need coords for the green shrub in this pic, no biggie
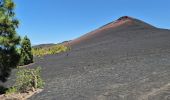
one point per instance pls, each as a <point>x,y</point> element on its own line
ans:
<point>27,80</point>
<point>11,90</point>
<point>49,50</point>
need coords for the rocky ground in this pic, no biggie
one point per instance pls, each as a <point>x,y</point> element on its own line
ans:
<point>126,63</point>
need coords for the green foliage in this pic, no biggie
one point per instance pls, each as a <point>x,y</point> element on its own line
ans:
<point>28,79</point>
<point>50,50</point>
<point>11,90</point>
<point>25,52</point>
<point>9,39</point>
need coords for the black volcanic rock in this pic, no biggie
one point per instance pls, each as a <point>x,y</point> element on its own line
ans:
<point>127,59</point>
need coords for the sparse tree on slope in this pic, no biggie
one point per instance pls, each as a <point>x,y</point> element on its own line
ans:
<point>9,39</point>
<point>26,53</point>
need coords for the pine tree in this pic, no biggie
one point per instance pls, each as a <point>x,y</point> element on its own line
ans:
<point>9,40</point>
<point>26,52</point>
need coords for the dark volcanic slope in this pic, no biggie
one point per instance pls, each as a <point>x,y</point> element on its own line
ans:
<point>110,30</point>
<point>123,60</point>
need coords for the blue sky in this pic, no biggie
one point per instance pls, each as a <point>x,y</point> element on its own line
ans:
<point>53,21</point>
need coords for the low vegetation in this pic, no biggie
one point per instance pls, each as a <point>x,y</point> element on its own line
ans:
<point>27,80</point>
<point>49,50</point>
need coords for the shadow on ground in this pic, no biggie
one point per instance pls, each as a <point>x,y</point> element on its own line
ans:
<point>3,89</point>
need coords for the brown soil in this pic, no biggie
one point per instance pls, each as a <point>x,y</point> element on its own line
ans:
<point>19,96</point>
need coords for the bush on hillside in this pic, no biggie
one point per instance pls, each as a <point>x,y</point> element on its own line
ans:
<point>27,80</point>
<point>49,50</point>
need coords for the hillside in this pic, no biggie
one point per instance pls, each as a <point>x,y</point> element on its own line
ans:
<point>49,44</point>
<point>126,59</point>
<point>43,45</point>
<point>123,23</point>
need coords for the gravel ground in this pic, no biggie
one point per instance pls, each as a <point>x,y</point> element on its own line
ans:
<point>131,62</point>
